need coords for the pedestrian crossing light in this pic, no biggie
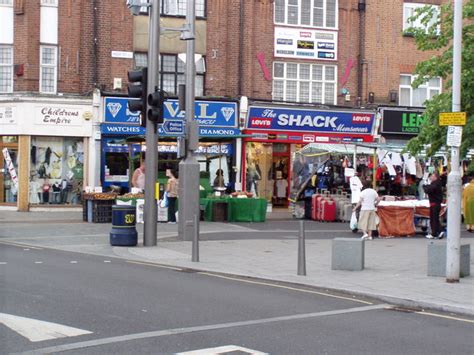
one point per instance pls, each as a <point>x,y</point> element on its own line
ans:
<point>156,102</point>
<point>137,92</point>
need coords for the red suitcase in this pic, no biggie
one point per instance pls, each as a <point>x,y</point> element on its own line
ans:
<point>314,206</point>
<point>317,213</point>
<point>328,210</point>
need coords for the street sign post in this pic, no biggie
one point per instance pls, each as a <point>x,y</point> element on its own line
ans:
<point>452,118</point>
<point>454,136</point>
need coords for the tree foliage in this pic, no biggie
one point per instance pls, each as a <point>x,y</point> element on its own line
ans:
<point>438,36</point>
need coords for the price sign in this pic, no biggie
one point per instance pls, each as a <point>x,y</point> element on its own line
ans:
<point>454,136</point>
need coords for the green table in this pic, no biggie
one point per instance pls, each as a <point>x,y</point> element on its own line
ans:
<point>238,209</point>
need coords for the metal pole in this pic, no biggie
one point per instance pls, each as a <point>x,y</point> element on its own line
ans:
<point>195,257</point>
<point>301,251</point>
<point>151,158</point>
<point>189,167</point>
<point>454,177</point>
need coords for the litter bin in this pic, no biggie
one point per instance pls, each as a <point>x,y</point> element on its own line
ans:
<point>123,231</point>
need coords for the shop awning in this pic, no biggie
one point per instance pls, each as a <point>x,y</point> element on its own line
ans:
<point>335,148</point>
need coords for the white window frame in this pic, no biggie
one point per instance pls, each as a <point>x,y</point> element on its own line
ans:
<point>49,3</point>
<point>55,66</point>
<point>8,3</point>
<point>299,5</point>
<point>178,7</point>
<point>425,85</point>
<point>10,65</point>
<point>310,81</point>
<point>409,9</point>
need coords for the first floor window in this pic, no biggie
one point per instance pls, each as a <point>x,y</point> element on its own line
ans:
<point>6,69</point>
<point>178,7</point>
<point>301,82</point>
<point>409,10</point>
<point>417,97</point>
<point>172,72</point>
<point>48,69</point>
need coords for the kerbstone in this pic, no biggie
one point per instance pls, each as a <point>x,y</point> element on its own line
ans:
<point>348,254</point>
<point>437,259</point>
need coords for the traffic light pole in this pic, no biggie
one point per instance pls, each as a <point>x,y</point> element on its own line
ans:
<point>453,250</point>
<point>151,158</point>
<point>189,166</point>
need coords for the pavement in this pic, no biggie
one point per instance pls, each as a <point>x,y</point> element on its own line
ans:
<point>395,269</point>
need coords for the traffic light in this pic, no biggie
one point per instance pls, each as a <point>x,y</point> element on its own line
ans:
<point>137,88</point>
<point>156,102</point>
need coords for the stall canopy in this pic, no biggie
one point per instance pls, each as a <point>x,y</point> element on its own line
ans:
<point>336,149</point>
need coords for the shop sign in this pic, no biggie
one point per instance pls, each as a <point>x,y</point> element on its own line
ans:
<point>401,121</point>
<point>116,111</point>
<point>203,149</point>
<point>7,115</point>
<point>122,129</point>
<point>298,120</point>
<point>305,44</point>
<point>58,116</point>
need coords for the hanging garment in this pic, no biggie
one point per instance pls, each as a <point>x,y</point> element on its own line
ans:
<point>47,155</point>
<point>33,154</point>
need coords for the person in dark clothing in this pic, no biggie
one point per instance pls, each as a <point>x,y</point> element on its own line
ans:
<point>435,195</point>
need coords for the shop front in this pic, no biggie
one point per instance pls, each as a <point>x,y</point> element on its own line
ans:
<point>275,136</point>
<point>122,141</point>
<point>44,155</point>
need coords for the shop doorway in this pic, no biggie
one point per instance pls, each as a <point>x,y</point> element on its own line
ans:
<point>281,174</point>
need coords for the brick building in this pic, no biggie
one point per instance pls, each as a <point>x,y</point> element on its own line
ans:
<point>67,57</point>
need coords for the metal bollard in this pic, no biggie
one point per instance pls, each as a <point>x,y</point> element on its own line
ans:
<point>301,251</point>
<point>195,257</point>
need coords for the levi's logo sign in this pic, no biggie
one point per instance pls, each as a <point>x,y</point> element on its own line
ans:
<point>361,119</point>
<point>261,122</point>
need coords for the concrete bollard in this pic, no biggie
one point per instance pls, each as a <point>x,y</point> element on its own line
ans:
<point>437,259</point>
<point>348,254</point>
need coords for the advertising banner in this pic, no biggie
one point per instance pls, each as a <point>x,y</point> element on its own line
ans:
<point>406,122</point>
<point>313,121</point>
<point>305,44</point>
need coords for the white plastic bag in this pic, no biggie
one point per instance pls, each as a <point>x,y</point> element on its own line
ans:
<point>353,223</point>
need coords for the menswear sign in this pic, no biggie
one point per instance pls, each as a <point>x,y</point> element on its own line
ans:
<point>287,119</point>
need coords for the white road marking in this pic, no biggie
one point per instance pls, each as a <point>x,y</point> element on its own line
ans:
<point>73,262</point>
<point>26,249</point>
<point>222,350</point>
<point>107,261</point>
<point>3,263</point>
<point>155,265</point>
<point>19,245</point>
<point>176,331</point>
<point>445,317</point>
<point>37,330</point>
<point>38,262</point>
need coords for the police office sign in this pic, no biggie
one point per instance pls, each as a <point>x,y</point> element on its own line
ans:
<point>342,123</point>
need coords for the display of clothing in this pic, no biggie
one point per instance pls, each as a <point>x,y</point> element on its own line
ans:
<point>35,192</point>
<point>281,188</point>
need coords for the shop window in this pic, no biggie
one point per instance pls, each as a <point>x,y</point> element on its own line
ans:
<point>417,97</point>
<point>423,22</point>
<point>306,13</point>
<point>178,7</point>
<point>57,170</point>
<point>8,175</point>
<point>6,69</point>
<point>48,69</point>
<point>312,83</point>
<point>6,2</point>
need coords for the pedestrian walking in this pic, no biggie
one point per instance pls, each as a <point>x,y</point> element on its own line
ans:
<point>369,199</point>
<point>468,204</point>
<point>172,194</point>
<point>435,195</point>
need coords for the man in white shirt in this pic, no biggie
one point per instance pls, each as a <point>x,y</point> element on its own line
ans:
<point>368,201</point>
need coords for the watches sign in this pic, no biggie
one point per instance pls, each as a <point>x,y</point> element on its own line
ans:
<point>401,121</point>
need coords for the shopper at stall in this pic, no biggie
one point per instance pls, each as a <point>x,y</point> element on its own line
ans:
<point>138,177</point>
<point>468,205</point>
<point>219,179</point>
<point>368,201</point>
<point>172,194</point>
<point>435,195</point>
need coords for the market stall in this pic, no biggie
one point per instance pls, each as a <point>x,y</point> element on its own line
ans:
<point>233,209</point>
<point>398,218</point>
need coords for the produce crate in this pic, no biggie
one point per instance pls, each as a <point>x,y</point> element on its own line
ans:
<point>97,210</point>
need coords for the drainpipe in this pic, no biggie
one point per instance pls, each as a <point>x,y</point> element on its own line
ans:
<point>360,72</point>
<point>241,48</point>
<point>96,42</point>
